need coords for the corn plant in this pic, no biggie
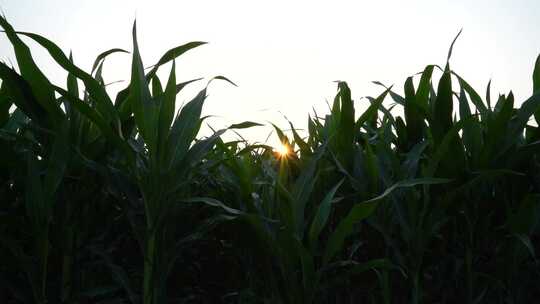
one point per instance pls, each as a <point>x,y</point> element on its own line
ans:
<point>120,200</point>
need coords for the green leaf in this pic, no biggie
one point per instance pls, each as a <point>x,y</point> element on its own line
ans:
<point>96,90</point>
<point>519,121</point>
<point>222,78</point>
<point>173,54</point>
<point>443,151</point>
<point>371,111</point>
<point>363,210</point>
<point>452,46</point>
<point>103,55</point>
<point>304,147</point>
<point>145,110</point>
<point>321,217</point>
<point>536,84</point>
<point>303,188</point>
<point>100,122</point>
<point>407,184</point>
<point>21,94</point>
<point>441,120</point>
<point>536,75</point>
<point>282,137</point>
<point>346,124</point>
<point>472,133</point>
<point>166,112</point>
<point>413,114</point>
<point>497,129</point>
<point>422,92</point>
<point>181,85</point>
<point>5,104</point>
<point>401,134</point>
<point>475,98</point>
<point>410,166</point>
<point>371,168</point>
<point>213,203</point>
<point>244,125</point>
<point>488,95</point>
<point>39,84</point>
<point>185,127</point>
<point>199,150</point>
<point>57,162</point>
<point>72,84</point>
<point>157,89</point>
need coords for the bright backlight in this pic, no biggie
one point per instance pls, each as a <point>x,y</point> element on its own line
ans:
<point>282,150</point>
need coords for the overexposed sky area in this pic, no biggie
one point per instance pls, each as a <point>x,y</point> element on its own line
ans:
<point>285,55</point>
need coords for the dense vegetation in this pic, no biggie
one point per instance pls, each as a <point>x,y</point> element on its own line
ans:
<point>117,200</point>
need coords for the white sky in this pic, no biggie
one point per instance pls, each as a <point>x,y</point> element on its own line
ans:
<point>285,55</point>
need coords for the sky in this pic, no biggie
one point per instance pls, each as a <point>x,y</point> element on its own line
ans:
<point>285,56</point>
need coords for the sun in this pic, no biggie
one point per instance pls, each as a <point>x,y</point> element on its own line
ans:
<point>282,150</point>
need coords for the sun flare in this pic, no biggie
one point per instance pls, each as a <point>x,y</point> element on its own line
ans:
<point>282,150</point>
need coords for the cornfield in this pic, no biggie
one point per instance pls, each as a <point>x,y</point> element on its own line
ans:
<point>117,199</point>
